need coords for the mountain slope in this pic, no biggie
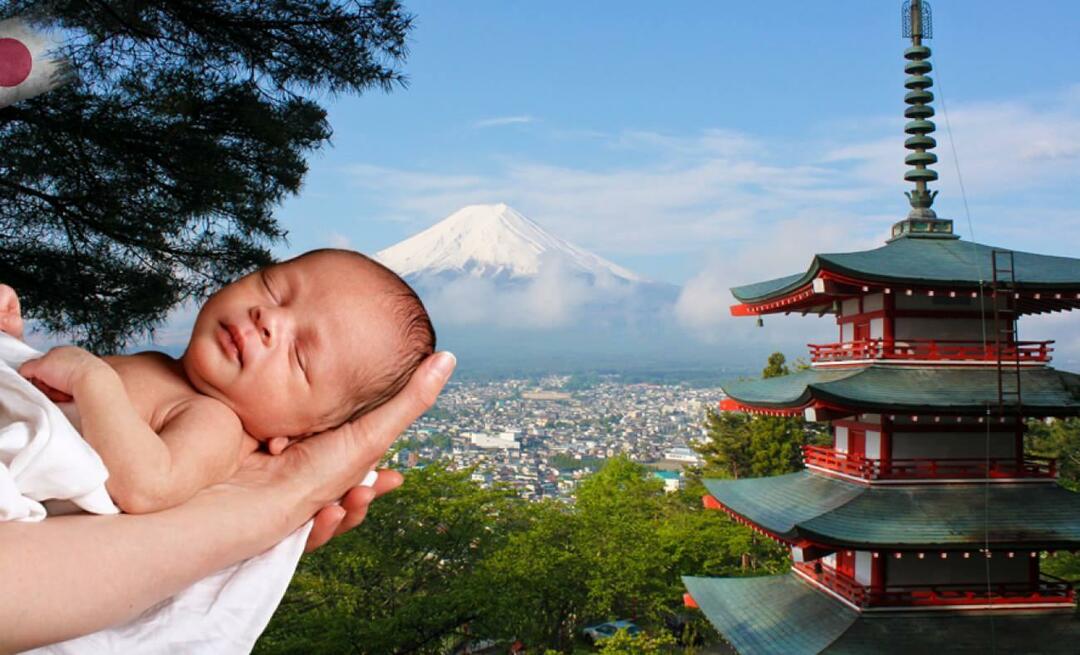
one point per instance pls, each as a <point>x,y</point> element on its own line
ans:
<point>496,242</point>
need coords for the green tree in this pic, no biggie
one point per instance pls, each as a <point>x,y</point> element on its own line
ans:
<point>741,445</point>
<point>776,444</point>
<point>406,581</point>
<point>540,575</point>
<point>1060,439</point>
<point>775,367</point>
<point>727,450</point>
<point>618,510</point>
<point>623,643</point>
<point>152,177</point>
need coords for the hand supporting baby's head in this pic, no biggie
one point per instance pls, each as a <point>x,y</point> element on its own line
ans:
<point>303,346</point>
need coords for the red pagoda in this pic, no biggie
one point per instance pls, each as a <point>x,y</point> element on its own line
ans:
<point>922,527</point>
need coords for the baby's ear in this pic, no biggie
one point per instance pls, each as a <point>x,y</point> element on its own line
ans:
<point>277,444</point>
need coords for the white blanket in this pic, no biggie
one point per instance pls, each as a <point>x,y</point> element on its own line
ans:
<point>43,457</point>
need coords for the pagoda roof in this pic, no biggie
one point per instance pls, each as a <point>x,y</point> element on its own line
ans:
<point>829,511</point>
<point>784,615</point>
<point>922,262</point>
<point>899,389</point>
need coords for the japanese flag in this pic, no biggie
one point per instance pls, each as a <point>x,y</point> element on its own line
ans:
<point>25,69</point>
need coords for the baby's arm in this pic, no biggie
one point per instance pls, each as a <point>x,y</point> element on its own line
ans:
<point>200,444</point>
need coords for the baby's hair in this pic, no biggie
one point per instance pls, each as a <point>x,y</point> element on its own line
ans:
<point>368,389</point>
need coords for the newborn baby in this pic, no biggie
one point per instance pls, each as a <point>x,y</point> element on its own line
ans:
<point>285,352</point>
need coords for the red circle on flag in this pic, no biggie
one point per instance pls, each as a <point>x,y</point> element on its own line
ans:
<point>15,62</point>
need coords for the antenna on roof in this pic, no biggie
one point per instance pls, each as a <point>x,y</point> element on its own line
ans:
<point>917,24</point>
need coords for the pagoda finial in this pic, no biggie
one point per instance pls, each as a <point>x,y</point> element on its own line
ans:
<point>921,220</point>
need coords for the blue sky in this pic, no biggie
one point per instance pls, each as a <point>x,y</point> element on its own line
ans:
<point>706,143</point>
<point>506,94</point>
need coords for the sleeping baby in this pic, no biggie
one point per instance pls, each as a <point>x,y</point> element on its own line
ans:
<point>283,353</point>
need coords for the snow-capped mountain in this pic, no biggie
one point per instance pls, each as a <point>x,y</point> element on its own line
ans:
<point>506,294</point>
<point>494,242</point>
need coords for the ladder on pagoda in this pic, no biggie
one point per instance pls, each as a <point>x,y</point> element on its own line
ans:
<point>1003,292</point>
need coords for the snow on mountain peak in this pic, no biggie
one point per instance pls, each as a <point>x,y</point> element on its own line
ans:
<point>491,240</point>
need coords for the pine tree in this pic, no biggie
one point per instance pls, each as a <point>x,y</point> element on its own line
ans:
<point>152,177</point>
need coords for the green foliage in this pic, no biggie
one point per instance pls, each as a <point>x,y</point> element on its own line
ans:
<point>541,580</point>
<point>740,445</point>
<point>1060,439</point>
<point>442,561</point>
<point>776,445</point>
<point>618,510</point>
<point>727,450</point>
<point>775,367</point>
<point>151,178</point>
<point>407,580</point>
<point>622,643</point>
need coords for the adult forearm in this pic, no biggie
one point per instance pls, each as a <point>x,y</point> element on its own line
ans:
<point>72,575</point>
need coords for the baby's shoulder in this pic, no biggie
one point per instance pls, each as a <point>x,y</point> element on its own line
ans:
<point>207,411</point>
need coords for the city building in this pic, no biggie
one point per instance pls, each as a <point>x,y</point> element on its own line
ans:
<point>502,440</point>
<point>923,526</point>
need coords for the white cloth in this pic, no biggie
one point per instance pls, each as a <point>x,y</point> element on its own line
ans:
<point>221,614</point>
<point>43,457</point>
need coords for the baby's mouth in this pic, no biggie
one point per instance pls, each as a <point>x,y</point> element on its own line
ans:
<point>231,341</point>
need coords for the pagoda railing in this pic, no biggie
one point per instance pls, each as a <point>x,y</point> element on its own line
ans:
<point>1048,589</point>
<point>929,467</point>
<point>930,350</point>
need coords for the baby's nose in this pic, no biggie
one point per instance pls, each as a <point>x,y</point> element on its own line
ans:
<point>264,324</point>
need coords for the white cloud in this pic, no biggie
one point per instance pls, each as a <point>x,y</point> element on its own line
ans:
<point>758,209</point>
<point>1002,147</point>
<point>552,299</point>
<point>503,120</point>
<point>783,248</point>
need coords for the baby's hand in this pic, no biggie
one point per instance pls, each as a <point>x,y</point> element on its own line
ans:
<point>61,370</point>
<point>10,314</point>
<point>278,444</point>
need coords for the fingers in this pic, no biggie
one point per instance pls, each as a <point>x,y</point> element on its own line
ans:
<point>10,313</point>
<point>377,430</point>
<point>356,501</point>
<point>325,523</point>
<point>277,444</point>
<point>333,520</point>
<point>387,481</point>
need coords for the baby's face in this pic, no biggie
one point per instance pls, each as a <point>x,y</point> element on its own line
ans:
<point>280,345</point>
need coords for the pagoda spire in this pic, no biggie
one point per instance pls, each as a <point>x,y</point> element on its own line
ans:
<point>921,220</point>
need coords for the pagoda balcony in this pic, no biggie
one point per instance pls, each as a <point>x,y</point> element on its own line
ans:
<point>929,350</point>
<point>930,468</point>
<point>1049,590</point>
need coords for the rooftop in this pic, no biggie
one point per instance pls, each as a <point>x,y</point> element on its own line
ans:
<point>784,615</point>
<point>925,263</point>
<point>829,511</point>
<point>907,389</point>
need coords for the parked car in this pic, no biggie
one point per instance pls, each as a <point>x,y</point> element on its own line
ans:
<point>603,631</point>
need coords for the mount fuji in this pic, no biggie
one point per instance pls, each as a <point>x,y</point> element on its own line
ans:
<point>497,250</point>
<point>500,286</point>
<point>492,241</point>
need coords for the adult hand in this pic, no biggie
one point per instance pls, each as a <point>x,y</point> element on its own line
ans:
<point>11,321</point>
<point>325,469</point>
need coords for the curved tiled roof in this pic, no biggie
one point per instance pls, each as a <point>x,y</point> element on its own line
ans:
<point>826,510</point>
<point>891,388</point>
<point>782,615</point>
<point>916,261</point>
